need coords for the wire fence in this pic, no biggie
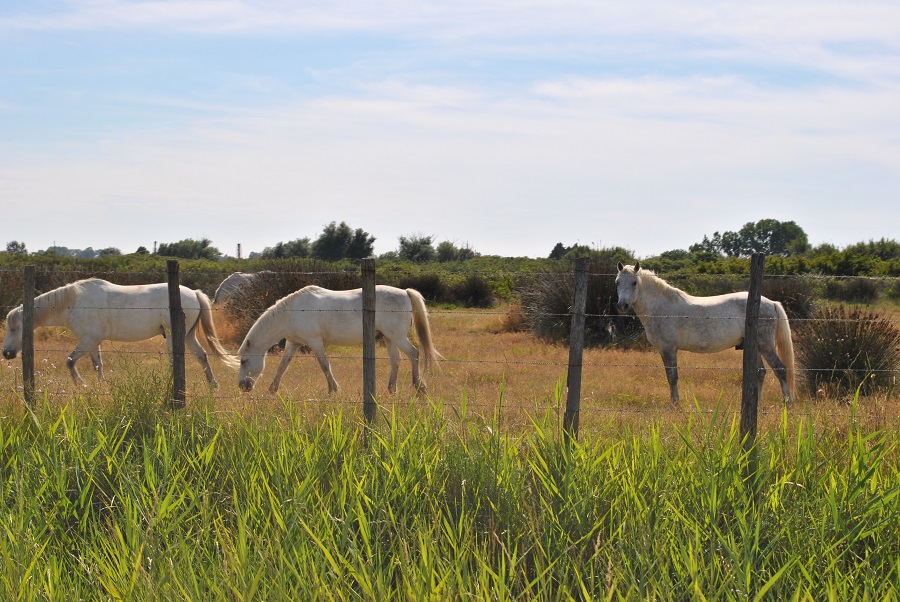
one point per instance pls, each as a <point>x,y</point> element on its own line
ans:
<point>50,369</point>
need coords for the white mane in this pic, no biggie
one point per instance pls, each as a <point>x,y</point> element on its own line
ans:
<point>650,279</point>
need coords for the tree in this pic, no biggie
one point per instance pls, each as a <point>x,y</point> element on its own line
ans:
<point>768,236</point>
<point>142,250</point>
<point>417,247</point>
<point>333,243</point>
<point>15,247</point>
<point>189,249</point>
<point>447,251</point>
<point>295,248</point>
<point>559,251</point>
<point>109,252</point>
<point>362,245</point>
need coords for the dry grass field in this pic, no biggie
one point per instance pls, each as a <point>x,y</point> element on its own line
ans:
<point>484,370</point>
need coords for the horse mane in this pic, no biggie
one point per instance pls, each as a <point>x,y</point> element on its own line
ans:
<point>62,297</point>
<point>649,278</point>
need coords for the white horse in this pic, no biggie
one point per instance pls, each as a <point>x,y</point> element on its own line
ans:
<point>96,310</point>
<point>674,320</point>
<point>315,316</point>
<point>230,285</point>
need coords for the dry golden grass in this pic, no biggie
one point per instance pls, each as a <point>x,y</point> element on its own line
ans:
<point>482,366</point>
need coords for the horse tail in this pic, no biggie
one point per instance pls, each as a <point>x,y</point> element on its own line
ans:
<point>784,346</point>
<point>429,355</point>
<point>209,331</point>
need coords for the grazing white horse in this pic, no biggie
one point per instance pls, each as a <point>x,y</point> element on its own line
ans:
<point>315,317</point>
<point>96,310</point>
<point>675,320</point>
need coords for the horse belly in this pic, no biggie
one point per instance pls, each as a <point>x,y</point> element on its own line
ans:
<point>710,335</point>
<point>136,324</point>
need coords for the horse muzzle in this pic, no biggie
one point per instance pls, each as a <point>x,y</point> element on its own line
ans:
<point>9,354</point>
<point>623,307</point>
<point>246,384</point>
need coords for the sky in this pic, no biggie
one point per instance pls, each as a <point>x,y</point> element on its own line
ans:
<point>505,126</point>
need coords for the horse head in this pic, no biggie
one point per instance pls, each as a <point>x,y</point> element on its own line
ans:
<point>252,365</point>
<point>12,342</point>
<point>626,285</point>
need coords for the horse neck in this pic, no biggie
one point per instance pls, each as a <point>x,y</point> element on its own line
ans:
<point>657,297</point>
<point>52,308</point>
<point>268,328</point>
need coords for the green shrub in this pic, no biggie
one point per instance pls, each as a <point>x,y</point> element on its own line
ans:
<point>843,349</point>
<point>431,285</point>
<point>852,290</point>
<point>474,291</point>
<point>797,295</point>
<point>547,301</point>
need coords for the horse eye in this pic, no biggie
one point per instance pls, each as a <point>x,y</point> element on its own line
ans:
<point>634,284</point>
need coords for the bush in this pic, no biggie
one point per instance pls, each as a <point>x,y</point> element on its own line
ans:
<point>797,295</point>
<point>547,302</point>
<point>852,290</point>
<point>474,291</point>
<point>431,285</point>
<point>843,350</point>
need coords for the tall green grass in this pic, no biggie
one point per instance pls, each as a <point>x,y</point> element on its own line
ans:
<point>122,500</point>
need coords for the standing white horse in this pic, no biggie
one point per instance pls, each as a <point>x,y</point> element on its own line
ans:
<point>315,316</point>
<point>96,310</point>
<point>674,320</point>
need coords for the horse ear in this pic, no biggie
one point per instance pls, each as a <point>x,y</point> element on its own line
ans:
<point>637,266</point>
<point>621,266</point>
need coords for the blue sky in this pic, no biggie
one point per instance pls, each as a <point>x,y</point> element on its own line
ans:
<point>506,126</point>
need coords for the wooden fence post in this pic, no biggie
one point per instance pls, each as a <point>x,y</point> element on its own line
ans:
<point>576,349</point>
<point>28,336</point>
<point>176,319</point>
<point>750,387</point>
<point>368,325</point>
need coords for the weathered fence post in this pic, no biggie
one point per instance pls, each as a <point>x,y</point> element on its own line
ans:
<point>28,336</point>
<point>576,349</point>
<point>750,387</point>
<point>368,324</point>
<point>176,318</point>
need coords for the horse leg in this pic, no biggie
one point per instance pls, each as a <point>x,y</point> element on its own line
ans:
<point>670,361</point>
<point>200,353</point>
<point>394,354</point>
<point>97,361</point>
<point>80,349</point>
<point>318,348</point>
<point>290,348</point>
<point>761,376</point>
<point>413,354</point>
<point>780,371</point>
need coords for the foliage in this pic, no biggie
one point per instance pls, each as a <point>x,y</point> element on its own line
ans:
<point>845,349</point>
<point>474,291</point>
<point>768,236</point>
<point>16,248</point>
<point>129,502</point>
<point>447,251</point>
<point>339,241</point>
<point>852,290</point>
<point>296,248</point>
<point>547,303</point>
<point>417,248</point>
<point>189,249</point>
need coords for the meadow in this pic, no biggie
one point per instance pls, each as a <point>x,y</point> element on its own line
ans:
<point>466,492</point>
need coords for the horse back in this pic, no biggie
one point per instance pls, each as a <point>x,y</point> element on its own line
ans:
<point>117,312</point>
